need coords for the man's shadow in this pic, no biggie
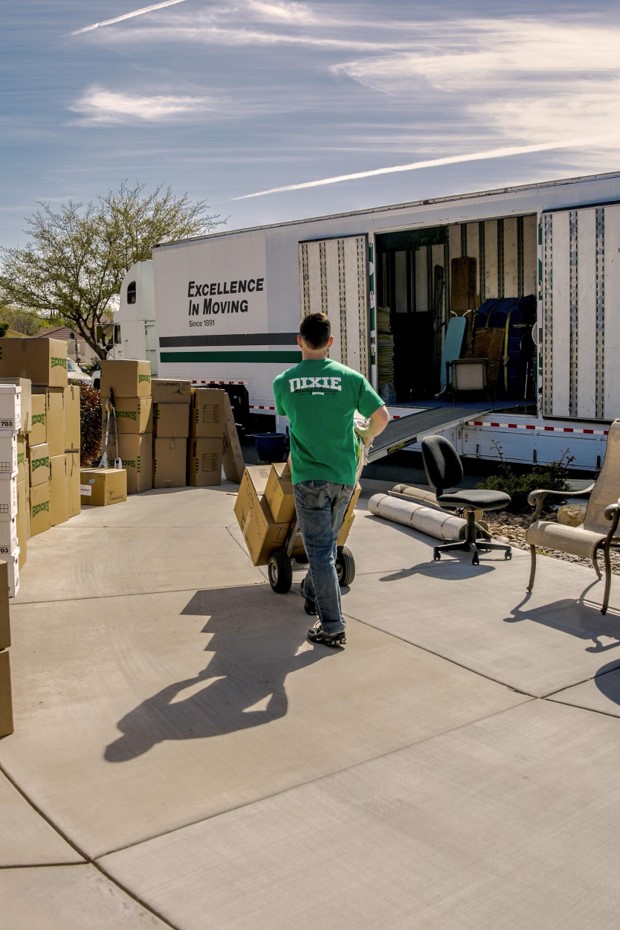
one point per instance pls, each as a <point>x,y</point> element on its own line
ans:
<point>254,645</point>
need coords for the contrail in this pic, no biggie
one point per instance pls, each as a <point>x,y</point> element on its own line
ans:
<point>416,166</point>
<point>119,19</point>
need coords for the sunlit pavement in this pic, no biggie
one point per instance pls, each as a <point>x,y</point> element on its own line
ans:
<point>183,757</point>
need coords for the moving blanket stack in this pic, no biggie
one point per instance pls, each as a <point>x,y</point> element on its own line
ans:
<point>503,335</point>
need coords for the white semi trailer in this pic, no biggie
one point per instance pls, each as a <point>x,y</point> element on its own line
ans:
<point>225,308</point>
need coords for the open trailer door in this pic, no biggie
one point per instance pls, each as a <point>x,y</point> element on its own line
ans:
<point>334,278</point>
<point>580,321</point>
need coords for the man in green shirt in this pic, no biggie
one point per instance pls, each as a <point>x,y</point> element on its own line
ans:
<point>320,398</point>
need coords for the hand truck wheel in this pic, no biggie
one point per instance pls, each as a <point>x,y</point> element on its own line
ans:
<point>345,566</point>
<point>280,571</point>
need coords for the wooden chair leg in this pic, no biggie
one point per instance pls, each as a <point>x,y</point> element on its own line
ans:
<point>530,583</point>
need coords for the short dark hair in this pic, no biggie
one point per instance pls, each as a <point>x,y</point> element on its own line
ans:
<point>315,330</point>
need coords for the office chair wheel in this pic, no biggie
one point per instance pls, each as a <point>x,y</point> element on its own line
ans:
<point>475,560</point>
<point>436,555</point>
<point>508,555</point>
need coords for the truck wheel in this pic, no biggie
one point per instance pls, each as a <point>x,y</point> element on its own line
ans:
<point>345,566</point>
<point>280,572</point>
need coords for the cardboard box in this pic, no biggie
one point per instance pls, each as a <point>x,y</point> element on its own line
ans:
<point>22,457</point>
<point>73,431</point>
<point>5,615</point>
<point>40,519</point>
<point>72,469</point>
<point>169,391</point>
<point>207,413</point>
<point>10,406</point>
<point>251,493</point>
<point>279,493</point>
<point>39,464</point>
<point>204,462</point>
<point>38,423</point>
<point>6,697</point>
<point>169,462</point>
<point>59,499</point>
<point>11,559</point>
<point>42,360</point>
<point>233,456</point>
<point>260,533</point>
<point>8,534</point>
<point>8,498</point>
<point>133,415</point>
<point>26,404</point>
<point>54,417</point>
<point>23,520</point>
<point>8,454</point>
<point>171,421</point>
<point>100,487</point>
<point>136,452</point>
<point>126,378</point>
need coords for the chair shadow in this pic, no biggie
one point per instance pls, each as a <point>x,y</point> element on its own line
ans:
<point>254,647</point>
<point>443,569</point>
<point>574,617</point>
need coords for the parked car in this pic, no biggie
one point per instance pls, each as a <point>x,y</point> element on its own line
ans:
<point>75,373</point>
<point>96,379</point>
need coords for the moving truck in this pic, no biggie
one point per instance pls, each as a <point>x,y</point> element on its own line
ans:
<point>538,264</point>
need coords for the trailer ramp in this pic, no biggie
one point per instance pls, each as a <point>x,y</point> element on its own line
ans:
<point>413,427</point>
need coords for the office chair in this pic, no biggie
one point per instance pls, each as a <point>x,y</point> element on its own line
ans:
<point>444,473</point>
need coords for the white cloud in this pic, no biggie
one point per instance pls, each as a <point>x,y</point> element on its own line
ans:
<point>98,105</point>
<point>489,56</point>
<point>290,13</point>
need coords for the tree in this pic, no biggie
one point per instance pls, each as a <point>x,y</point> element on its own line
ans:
<point>73,267</point>
<point>21,321</point>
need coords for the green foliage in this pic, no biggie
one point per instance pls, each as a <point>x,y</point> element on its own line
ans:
<point>90,426</point>
<point>3,329</point>
<point>552,477</point>
<point>74,265</point>
<point>21,321</point>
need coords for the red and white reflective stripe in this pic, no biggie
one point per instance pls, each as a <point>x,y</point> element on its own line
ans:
<point>261,407</point>
<point>202,381</point>
<point>580,431</point>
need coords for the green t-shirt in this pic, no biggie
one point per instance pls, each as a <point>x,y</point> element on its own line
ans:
<point>319,397</point>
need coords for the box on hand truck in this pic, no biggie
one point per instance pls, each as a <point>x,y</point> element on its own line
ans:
<point>265,511</point>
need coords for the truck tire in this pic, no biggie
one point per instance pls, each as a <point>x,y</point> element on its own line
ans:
<point>280,572</point>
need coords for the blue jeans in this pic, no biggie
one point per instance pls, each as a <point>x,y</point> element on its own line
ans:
<point>321,507</point>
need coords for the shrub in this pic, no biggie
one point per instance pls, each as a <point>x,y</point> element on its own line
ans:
<point>90,425</point>
<point>552,477</point>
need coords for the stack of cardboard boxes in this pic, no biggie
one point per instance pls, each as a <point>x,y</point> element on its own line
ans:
<point>130,384</point>
<point>6,702</point>
<point>47,442</point>
<point>265,512</point>
<point>170,433</point>
<point>171,406</point>
<point>10,424</point>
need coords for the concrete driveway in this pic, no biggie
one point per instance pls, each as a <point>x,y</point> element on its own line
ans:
<point>184,758</point>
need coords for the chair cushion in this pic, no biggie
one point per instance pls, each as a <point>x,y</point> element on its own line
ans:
<point>573,539</point>
<point>476,499</point>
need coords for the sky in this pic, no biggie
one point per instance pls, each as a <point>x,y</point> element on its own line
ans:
<point>275,111</point>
